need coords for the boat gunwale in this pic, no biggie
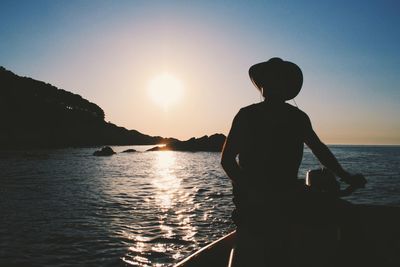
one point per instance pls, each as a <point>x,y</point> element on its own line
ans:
<point>200,251</point>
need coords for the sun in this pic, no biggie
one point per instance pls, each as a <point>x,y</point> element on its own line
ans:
<point>165,90</point>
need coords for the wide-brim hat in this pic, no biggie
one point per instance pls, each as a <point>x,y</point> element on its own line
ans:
<point>277,78</point>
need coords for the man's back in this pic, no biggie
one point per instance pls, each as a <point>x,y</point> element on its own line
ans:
<point>271,144</point>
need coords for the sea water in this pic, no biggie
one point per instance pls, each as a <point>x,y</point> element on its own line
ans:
<point>66,207</point>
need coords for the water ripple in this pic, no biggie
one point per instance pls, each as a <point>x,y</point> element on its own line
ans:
<point>67,208</point>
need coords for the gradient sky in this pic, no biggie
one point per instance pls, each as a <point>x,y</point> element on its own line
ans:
<point>108,52</point>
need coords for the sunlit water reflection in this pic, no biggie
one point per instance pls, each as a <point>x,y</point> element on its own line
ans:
<point>69,208</point>
<point>166,184</point>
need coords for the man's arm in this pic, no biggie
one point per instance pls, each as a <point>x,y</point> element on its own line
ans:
<point>228,161</point>
<point>325,156</point>
<point>231,150</point>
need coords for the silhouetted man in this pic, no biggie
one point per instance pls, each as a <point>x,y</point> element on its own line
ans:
<point>269,138</point>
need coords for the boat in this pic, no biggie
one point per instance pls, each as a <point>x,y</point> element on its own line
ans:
<point>380,225</point>
<point>217,253</point>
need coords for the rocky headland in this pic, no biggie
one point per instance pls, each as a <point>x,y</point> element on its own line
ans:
<point>213,143</point>
<point>35,114</point>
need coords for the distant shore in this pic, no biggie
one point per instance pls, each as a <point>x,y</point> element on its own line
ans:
<point>40,115</point>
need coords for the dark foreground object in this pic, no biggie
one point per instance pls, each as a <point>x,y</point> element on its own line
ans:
<point>378,246</point>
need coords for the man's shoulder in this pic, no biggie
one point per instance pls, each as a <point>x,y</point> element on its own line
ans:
<point>300,115</point>
<point>250,108</point>
<point>296,110</point>
<point>260,106</point>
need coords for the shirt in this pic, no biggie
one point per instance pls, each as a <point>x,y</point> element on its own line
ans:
<point>270,139</point>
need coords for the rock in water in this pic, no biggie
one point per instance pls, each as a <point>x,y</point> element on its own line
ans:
<point>129,150</point>
<point>105,151</point>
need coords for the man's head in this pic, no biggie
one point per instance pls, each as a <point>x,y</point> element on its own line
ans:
<point>277,79</point>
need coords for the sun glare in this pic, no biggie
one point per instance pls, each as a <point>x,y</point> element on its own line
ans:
<point>165,90</point>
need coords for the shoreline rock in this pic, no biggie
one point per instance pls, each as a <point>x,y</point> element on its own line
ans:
<point>213,143</point>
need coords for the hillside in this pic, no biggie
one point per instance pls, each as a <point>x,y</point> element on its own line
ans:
<point>37,114</point>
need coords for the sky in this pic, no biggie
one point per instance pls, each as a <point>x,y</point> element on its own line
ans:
<point>112,52</point>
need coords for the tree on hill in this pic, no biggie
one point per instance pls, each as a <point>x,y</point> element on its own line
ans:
<point>37,114</point>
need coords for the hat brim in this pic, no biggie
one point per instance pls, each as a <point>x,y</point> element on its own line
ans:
<point>276,77</point>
